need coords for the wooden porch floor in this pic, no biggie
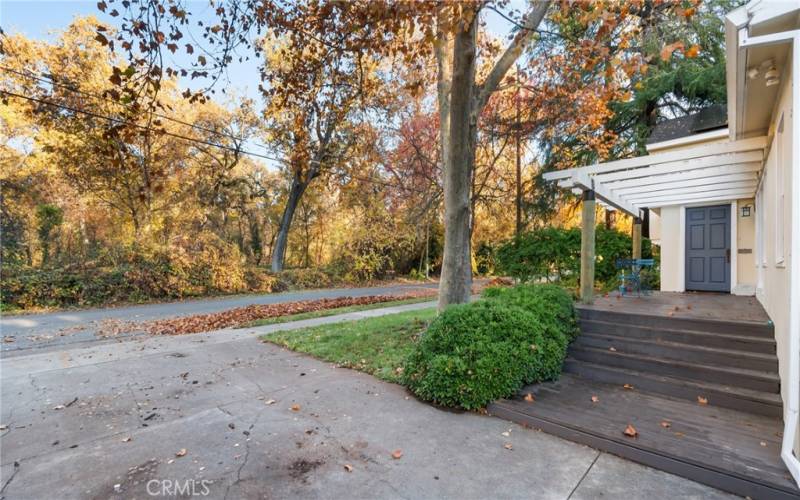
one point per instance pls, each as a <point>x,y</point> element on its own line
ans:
<point>731,450</point>
<point>689,305</point>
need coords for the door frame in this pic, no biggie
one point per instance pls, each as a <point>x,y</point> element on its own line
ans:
<point>734,222</point>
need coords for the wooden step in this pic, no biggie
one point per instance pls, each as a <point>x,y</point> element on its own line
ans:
<point>682,352</point>
<point>762,345</point>
<point>740,327</point>
<point>737,377</point>
<point>727,449</point>
<point>725,396</point>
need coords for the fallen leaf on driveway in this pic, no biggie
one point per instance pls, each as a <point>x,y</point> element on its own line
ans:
<point>3,427</point>
<point>612,349</point>
<point>181,453</point>
<point>348,467</point>
<point>508,446</point>
<point>595,399</point>
<point>126,439</point>
<point>270,402</point>
<point>665,424</point>
<point>763,443</point>
<point>396,454</point>
<point>59,407</point>
<point>295,407</point>
<point>701,400</point>
<point>630,431</point>
<point>627,386</point>
<point>505,433</point>
<point>529,398</point>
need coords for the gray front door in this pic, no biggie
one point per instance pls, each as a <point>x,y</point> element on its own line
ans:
<point>708,248</point>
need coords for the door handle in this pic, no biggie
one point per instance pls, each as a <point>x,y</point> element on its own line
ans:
<point>728,255</point>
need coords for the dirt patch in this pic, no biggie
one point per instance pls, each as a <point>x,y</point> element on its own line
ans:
<point>299,469</point>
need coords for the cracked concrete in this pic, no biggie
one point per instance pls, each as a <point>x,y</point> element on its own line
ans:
<point>228,399</point>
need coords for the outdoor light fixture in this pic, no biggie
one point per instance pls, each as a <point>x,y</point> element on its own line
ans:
<point>746,211</point>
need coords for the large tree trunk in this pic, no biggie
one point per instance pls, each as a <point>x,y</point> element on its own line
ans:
<point>282,238</point>
<point>456,282</point>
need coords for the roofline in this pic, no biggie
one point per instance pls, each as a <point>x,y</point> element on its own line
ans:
<point>689,139</point>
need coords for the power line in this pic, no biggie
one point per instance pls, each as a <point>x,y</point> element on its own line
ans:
<point>183,137</point>
<point>52,81</point>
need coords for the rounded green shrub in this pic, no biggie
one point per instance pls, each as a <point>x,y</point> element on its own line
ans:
<point>551,304</point>
<point>475,353</point>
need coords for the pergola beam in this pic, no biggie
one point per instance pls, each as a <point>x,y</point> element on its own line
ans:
<point>706,151</point>
<point>729,194</point>
<point>749,185</point>
<point>678,181</point>
<point>586,183</point>
<point>734,159</point>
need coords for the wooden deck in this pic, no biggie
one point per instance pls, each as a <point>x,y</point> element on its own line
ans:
<point>706,391</point>
<point>688,305</point>
<point>728,449</point>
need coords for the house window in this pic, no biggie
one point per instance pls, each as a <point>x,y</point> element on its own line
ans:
<point>780,196</point>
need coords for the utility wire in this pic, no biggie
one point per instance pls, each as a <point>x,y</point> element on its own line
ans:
<point>52,81</point>
<point>185,138</point>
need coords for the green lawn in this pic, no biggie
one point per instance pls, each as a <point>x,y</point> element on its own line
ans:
<point>333,312</point>
<point>378,346</point>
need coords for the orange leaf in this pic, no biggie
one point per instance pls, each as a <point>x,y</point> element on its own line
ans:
<point>529,398</point>
<point>397,454</point>
<point>665,424</point>
<point>630,431</point>
<point>348,467</point>
<point>295,407</point>
<point>595,399</point>
<point>692,51</point>
<point>508,446</point>
<point>701,400</point>
<point>627,386</point>
<point>666,52</point>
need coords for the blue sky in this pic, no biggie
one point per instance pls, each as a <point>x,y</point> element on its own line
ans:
<point>42,19</point>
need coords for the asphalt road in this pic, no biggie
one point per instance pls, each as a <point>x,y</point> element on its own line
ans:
<point>49,330</point>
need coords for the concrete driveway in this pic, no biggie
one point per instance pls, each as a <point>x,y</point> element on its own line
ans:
<point>80,326</point>
<point>223,415</point>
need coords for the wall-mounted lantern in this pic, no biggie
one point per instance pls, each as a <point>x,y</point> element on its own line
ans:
<point>746,210</point>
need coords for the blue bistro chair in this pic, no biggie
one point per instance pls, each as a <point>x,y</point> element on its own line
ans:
<point>631,276</point>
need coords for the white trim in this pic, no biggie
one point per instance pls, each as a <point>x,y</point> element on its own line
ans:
<point>682,250</point>
<point>791,413</point>
<point>734,246</point>
<point>689,139</point>
<point>683,155</point>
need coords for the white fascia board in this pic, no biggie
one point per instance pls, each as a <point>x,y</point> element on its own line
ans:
<point>688,203</point>
<point>705,150</point>
<point>689,139</point>
<point>724,170</point>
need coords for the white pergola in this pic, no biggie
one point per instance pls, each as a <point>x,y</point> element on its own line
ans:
<point>709,173</point>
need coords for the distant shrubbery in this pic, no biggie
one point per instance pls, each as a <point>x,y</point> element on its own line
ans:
<point>475,353</point>
<point>201,266</point>
<point>553,254</point>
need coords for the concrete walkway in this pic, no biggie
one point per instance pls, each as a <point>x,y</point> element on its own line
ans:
<point>225,415</point>
<point>80,326</point>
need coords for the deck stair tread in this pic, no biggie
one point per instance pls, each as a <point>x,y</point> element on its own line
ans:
<point>657,332</point>
<point>754,374</point>
<point>762,329</point>
<point>726,448</point>
<point>681,350</point>
<point>697,388</point>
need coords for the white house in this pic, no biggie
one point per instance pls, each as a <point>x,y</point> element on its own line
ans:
<point>725,200</point>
